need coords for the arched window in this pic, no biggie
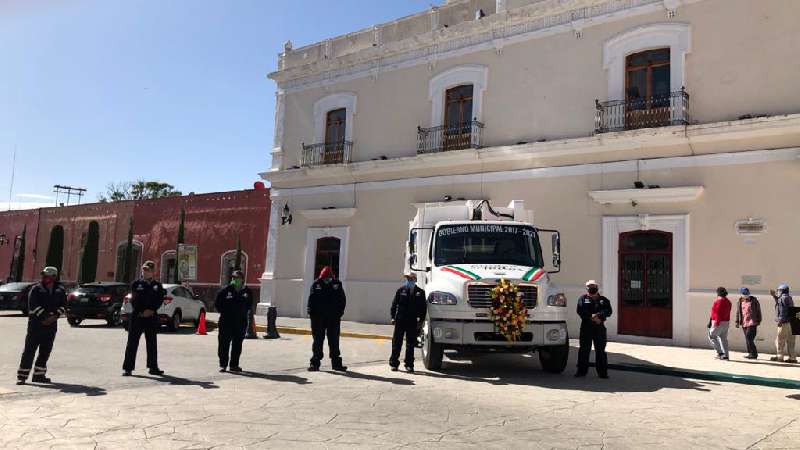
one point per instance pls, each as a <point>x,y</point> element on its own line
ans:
<point>87,269</point>
<point>128,267</point>
<point>228,265</point>
<point>55,248</point>
<point>169,264</point>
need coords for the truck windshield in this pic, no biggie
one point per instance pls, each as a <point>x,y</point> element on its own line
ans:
<point>481,243</point>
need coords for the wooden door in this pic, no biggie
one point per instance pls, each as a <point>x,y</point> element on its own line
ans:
<point>327,254</point>
<point>335,126</point>
<point>458,118</point>
<point>647,89</point>
<point>645,284</point>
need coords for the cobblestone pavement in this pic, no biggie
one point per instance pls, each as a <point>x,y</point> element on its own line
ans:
<point>487,401</point>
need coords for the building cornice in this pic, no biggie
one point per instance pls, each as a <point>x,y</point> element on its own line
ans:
<point>647,196</point>
<point>493,32</point>
<point>597,148</point>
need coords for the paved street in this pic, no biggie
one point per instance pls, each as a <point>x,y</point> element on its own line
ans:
<point>500,401</point>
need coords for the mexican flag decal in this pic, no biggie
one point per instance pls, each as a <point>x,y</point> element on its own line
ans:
<point>534,274</point>
<point>463,273</point>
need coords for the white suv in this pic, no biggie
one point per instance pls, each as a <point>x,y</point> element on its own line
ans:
<point>180,305</point>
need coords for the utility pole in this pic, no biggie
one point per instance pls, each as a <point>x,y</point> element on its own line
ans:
<point>70,191</point>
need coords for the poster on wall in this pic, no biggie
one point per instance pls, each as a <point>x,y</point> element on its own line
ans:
<point>187,262</point>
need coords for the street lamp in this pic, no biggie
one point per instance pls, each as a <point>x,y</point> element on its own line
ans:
<point>286,215</point>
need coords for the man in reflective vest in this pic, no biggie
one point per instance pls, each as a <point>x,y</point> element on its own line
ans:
<point>47,301</point>
<point>147,295</point>
<point>326,305</point>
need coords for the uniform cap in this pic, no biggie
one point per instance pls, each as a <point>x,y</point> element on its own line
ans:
<point>783,287</point>
<point>50,271</point>
<point>591,283</point>
<point>327,272</point>
<point>744,291</point>
<point>237,274</point>
<point>411,276</point>
<point>149,265</point>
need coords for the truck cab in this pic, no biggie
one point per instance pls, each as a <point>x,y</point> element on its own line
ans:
<point>460,250</point>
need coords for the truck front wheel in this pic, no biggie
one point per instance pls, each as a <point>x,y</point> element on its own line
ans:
<point>432,353</point>
<point>554,359</point>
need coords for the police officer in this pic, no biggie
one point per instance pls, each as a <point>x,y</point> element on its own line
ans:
<point>147,295</point>
<point>408,311</point>
<point>593,310</point>
<point>47,301</point>
<point>325,308</point>
<point>233,304</point>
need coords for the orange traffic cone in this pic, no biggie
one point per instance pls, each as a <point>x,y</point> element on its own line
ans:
<point>201,323</point>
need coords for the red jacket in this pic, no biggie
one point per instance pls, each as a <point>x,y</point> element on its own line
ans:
<point>721,311</point>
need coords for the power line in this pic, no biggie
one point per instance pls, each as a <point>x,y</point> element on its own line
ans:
<point>70,191</point>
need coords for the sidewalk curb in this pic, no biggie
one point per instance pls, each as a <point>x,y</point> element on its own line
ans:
<point>307,332</point>
<point>781,383</point>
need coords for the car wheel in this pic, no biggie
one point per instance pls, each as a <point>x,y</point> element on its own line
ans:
<point>74,321</point>
<point>24,311</point>
<point>432,353</point>
<point>175,323</point>
<point>114,319</point>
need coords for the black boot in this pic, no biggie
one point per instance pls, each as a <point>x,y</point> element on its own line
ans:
<point>156,372</point>
<point>40,379</point>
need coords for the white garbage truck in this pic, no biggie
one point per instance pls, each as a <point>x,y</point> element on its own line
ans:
<point>460,250</point>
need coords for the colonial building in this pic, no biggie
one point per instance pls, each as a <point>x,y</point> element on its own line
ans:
<point>659,136</point>
<point>213,223</point>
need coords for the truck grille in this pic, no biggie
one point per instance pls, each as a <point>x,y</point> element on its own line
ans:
<point>480,295</point>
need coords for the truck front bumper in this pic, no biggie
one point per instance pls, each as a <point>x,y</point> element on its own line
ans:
<point>481,333</point>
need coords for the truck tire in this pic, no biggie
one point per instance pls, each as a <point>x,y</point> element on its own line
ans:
<point>554,359</point>
<point>432,353</point>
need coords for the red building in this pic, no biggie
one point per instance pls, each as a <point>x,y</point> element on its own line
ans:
<point>213,224</point>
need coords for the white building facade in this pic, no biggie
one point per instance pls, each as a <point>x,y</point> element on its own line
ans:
<point>661,137</point>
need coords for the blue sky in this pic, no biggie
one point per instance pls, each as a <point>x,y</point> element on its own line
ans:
<point>97,91</point>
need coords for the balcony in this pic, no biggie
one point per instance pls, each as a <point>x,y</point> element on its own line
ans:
<point>449,137</point>
<point>649,112</point>
<point>325,154</point>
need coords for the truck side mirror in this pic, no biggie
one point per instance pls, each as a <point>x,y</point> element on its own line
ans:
<point>412,259</point>
<point>556,243</point>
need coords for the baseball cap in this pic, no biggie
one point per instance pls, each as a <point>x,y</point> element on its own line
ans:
<point>50,271</point>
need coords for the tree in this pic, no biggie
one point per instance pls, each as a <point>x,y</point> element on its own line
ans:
<point>88,268</point>
<point>181,232</point>
<point>139,190</point>
<point>127,262</point>
<point>237,262</point>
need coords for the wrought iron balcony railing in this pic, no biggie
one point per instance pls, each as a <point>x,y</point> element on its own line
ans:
<point>328,153</point>
<point>649,112</point>
<point>449,137</point>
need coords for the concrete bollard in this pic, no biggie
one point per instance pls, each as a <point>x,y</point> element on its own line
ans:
<point>272,329</point>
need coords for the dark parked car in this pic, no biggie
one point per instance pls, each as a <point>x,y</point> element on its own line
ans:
<point>96,301</point>
<point>14,296</point>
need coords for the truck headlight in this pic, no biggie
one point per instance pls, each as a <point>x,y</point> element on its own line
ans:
<point>557,300</point>
<point>442,298</point>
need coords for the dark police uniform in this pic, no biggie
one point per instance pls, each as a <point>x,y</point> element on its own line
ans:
<point>408,310</point>
<point>233,307</point>
<point>326,306</point>
<point>593,333</point>
<point>43,303</point>
<point>145,294</point>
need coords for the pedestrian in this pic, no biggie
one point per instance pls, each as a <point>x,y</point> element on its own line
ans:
<point>719,323</point>
<point>784,342</point>
<point>233,305</point>
<point>326,305</point>
<point>147,295</point>
<point>748,316</point>
<point>593,309</point>
<point>47,301</point>
<point>408,310</point>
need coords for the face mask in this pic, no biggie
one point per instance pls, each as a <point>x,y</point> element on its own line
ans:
<point>593,290</point>
<point>409,284</point>
<point>236,282</point>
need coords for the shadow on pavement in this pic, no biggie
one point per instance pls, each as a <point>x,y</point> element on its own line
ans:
<point>794,396</point>
<point>272,377</point>
<point>763,362</point>
<point>177,381</point>
<point>516,369</point>
<point>363,376</point>
<point>10,315</point>
<point>90,391</point>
